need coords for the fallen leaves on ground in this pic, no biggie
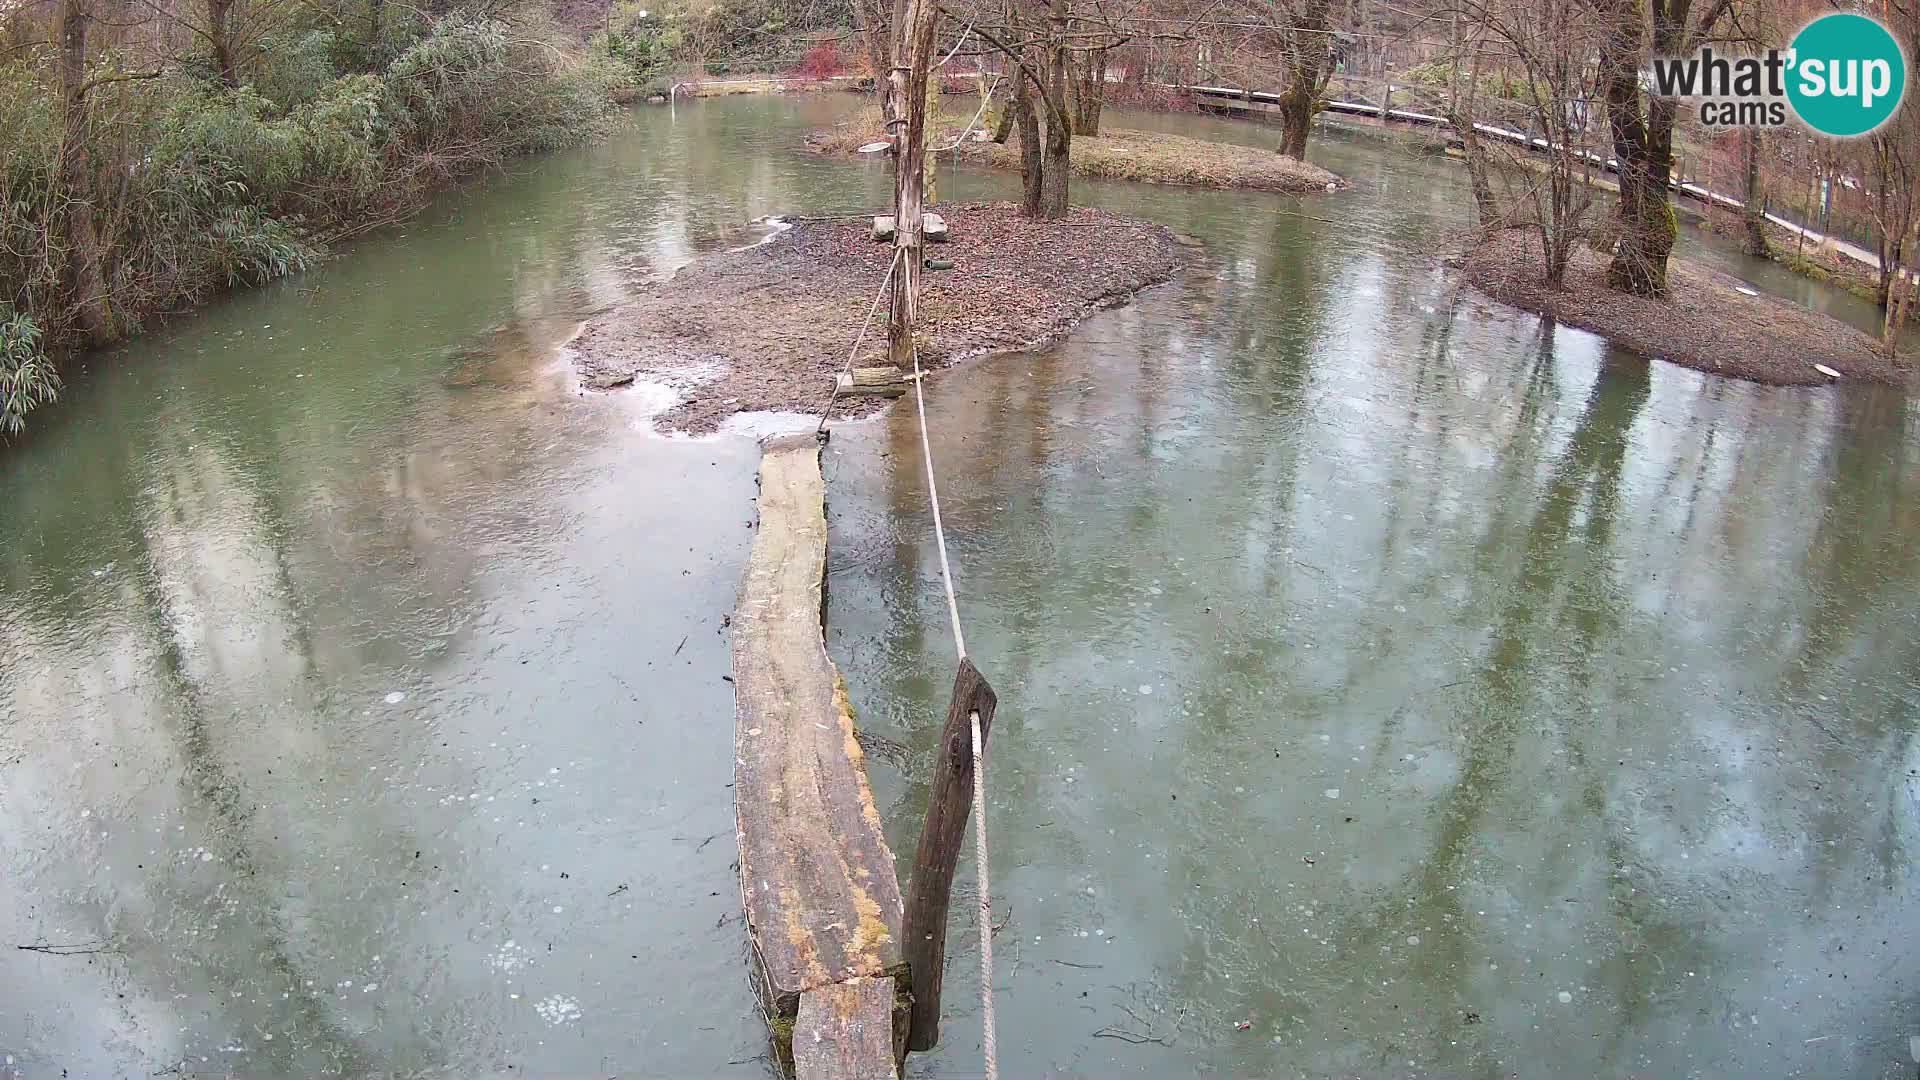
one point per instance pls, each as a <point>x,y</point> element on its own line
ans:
<point>1705,322</point>
<point>769,327</point>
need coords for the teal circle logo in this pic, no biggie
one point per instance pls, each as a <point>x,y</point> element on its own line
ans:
<point>1847,75</point>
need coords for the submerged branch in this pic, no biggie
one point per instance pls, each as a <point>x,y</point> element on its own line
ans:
<point>90,948</point>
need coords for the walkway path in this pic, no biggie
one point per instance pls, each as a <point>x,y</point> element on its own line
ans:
<point>1232,96</point>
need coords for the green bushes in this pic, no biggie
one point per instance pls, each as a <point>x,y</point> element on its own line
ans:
<point>31,260</point>
<point>189,186</point>
<point>27,378</point>
<point>650,39</point>
<point>641,41</point>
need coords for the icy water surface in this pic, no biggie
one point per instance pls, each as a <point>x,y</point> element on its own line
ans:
<point>1393,685</point>
<point>1428,691</point>
<point>361,700</point>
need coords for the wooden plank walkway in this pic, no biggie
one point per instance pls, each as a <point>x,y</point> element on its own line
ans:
<point>847,1030</point>
<point>817,880</point>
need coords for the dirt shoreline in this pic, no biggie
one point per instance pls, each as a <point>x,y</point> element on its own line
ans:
<point>1706,322</point>
<point>767,328</point>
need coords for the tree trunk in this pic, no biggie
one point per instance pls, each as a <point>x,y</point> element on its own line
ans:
<point>1053,175</point>
<point>929,159</point>
<point>1090,93</point>
<point>1296,122</point>
<point>890,50</point>
<point>1309,64</point>
<point>907,95</point>
<point>1753,210</point>
<point>1647,228</point>
<point>1901,291</point>
<point>1800,243</point>
<point>86,280</point>
<point>1059,136</point>
<point>1486,206</point>
<point>1889,231</point>
<point>1643,146</point>
<point>1004,119</point>
<point>1031,164</point>
<point>1463,92</point>
<point>1896,316</point>
<point>220,37</point>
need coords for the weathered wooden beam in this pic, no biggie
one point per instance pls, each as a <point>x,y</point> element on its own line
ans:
<point>845,1031</point>
<point>885,381</point>
<point>934,861</point>
<point>817,880</point>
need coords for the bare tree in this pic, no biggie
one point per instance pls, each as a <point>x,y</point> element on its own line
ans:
<point>1463,94</point>
<point>876,34</point>
<point>1285,43</point>
<point>1543,46</point>
<point>1897,148</point>
<point>1306,49</point>
<point>235,32</point>
<point>1039,39</point>
<point>1641,125</point>
<point>1088,89</point>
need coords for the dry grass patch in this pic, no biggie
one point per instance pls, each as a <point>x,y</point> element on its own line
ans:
<point>1116,154</point>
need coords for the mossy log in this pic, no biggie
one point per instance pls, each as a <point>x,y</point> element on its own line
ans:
<point>817,880</point>
<point>848,1031</point>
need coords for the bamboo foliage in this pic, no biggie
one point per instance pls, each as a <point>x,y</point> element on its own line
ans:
<point>150,165</point>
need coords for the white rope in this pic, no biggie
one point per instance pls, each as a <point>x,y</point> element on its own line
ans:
<point>939,531</point>
<point>985,100</point>
<point>857,338</point>
<point>989,1042</point>
<point>964,35</point>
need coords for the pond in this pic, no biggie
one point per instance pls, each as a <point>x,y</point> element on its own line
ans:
<point>1391,683</point>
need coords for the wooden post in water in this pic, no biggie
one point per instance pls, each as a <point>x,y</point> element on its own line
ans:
<point>907,97</point>
<point>934,861</point>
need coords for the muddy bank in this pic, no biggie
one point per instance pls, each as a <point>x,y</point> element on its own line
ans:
<point>1151,157</point>
<point>767,328</point>
<point>1705,322</point>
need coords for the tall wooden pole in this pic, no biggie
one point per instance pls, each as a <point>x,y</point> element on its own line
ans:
<point>938,855</point>
<point>907,116</point>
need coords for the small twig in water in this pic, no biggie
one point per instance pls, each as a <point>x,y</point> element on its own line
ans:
<point>1137,1038</point>
<point>682,645</point>
<point>1071,964</point>
<point>1126,1036</point>
<point>89,949</point>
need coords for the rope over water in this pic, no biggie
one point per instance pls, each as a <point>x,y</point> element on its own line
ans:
<point>989,1043</point>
